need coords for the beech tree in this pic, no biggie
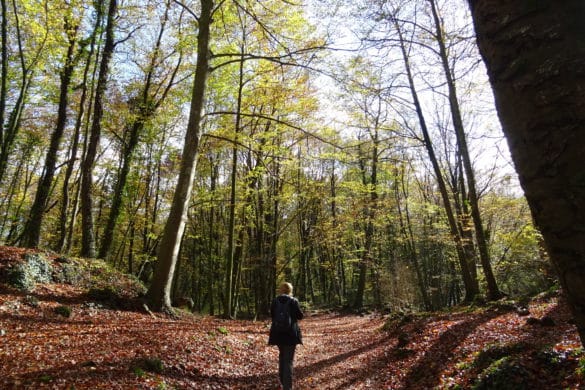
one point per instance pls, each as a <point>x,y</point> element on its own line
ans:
<point>88,234</point>
<point>535,55</point>
<point>159,292</point>
<point>32,229</point>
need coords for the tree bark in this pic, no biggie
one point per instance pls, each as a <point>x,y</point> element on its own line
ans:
<point>471,287</point>
<point>145,107</point>
<point>160,289</point>
<point>229,280</point>
<point>88,233</point>
<point>32,231</point>
<point>4,68</point>
<point>493,291</point>
<point>535,57</point>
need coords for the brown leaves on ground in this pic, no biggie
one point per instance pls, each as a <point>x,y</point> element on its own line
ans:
<point>97,347</point>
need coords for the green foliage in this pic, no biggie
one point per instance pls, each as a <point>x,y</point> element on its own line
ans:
<point>105,282</point>
<point>63,310</point>
<point>32,301</point>
<point>161,386</point>
<point>581,367</point>
<point>45,378</point>
<point>139,372</point>
<point>223,330</point>
<point>150,364</point>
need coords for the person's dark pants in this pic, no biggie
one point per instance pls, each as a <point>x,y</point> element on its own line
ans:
<point>285,365</point>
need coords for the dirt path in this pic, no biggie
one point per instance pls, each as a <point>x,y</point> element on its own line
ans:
<point>98,347</point>
<point>342,352</point>
<point>104,348</point>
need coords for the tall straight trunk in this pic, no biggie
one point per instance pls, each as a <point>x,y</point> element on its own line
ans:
<point>88,233</point>
<point>370,212</point>
<point>3,67</point>
<point>229,281</point>
<point>212,242</point>
<point>10,130</point>
<point>493,291</point>
<point>471,288</point>
<point>160,289</point>
<point>145,108</point>
<point>339,276</point>
<point>32,230</point>
<point>65,233</point>
<point>461,204</point>
<point>535,55</point>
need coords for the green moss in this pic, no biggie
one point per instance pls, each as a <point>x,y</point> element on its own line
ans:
<point>153,364</point>
<point>35,269</point>
<point>496,352</point>
<point>580,371</point>
<point>502,374</point>
<point>64,311</point>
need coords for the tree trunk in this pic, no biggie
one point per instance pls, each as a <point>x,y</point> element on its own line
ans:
<point>229,280</point>
<point>404,220</point>
<point>493,291</point>
<point>88,233</point>
<point>370,213</point>
<point>159,292</point>
<point>32,230</point>
<point>9,130</point>
<point>64,243</point>
<point>4,68</point>
<point>145,107</point>
<point>535,55</point>
<point>471,288</point>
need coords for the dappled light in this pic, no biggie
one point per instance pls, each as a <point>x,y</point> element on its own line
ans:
<point>103,345</point>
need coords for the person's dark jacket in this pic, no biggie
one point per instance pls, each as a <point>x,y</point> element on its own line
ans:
<point>291,338</point>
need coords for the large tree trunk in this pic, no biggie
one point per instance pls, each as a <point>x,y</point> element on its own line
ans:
<point>160,290</point>
<point>535,57</point>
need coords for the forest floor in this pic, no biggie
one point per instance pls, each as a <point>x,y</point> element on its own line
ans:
<point>105,347</point>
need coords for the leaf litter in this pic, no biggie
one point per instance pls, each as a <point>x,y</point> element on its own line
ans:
<point>105,348</point>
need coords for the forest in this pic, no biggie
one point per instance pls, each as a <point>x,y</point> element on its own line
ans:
<point>215,148</point>
<point>386,156</point>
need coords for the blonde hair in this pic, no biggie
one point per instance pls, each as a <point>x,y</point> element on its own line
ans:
<point>285,288</point>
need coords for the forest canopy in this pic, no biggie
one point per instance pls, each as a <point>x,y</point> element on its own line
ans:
<point>351,148</point>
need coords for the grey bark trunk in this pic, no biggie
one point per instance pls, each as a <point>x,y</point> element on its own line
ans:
<point>159,293</point>
<point>88,233</point>
<point>32,231</point>
<point>493,291</point>
<point>471,288</point>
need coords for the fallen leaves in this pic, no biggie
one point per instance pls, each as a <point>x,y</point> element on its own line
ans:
<point>101,348</point>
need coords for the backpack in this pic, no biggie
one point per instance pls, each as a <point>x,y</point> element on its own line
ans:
<point>282,320</point>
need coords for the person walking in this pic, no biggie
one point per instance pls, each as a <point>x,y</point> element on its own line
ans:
<point>285,332</point>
